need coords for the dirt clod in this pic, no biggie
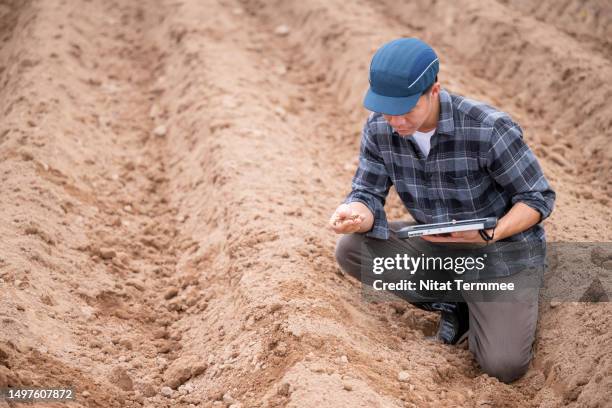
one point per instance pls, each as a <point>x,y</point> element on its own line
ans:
<point>176,375</point>
<point>107,253</point>
<point>198,368</point>
<point>284,390</point>
<point>121,379</point>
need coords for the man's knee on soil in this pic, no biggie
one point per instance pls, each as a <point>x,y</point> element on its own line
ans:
<point>348,254</point>
<point>505,366</point>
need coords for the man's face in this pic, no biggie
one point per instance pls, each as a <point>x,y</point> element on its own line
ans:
<point>408,123</point>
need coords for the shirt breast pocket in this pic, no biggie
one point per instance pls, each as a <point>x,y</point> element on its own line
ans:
<point>460,192</point>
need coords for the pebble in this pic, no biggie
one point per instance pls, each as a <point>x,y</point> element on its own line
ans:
<point>154,111</point>
<point>228,399</point>
<point>347,386</point>
<point>403,376</point>
<point>554,304</point>
<point>282,30</point>
<point>166,391</point>
<point>344,359</point>
<point>160,131</point>
<point>172,292</point>
<point>107,253</point>
<point>85,394</point>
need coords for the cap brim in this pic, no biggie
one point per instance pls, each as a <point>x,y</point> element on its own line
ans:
<point>389,105</point>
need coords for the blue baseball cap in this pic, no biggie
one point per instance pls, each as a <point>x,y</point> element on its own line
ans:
<point>400,71</point>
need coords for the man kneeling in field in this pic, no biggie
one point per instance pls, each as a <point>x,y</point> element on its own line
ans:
<point>449,158</point>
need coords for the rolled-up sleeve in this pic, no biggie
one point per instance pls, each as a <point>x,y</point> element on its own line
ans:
<point>371,183</point>
<point>516,169</point>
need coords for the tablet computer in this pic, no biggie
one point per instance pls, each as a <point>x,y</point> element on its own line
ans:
<point>446,227</point>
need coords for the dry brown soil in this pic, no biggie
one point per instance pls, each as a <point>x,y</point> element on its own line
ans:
<point>168,168</point>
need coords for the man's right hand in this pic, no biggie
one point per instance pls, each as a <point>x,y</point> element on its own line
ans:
<point>350,218</point>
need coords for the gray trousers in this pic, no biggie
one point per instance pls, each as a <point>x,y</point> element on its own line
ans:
<point>501,333</point>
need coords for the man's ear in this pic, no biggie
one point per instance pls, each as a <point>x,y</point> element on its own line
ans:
<point>435,89</point>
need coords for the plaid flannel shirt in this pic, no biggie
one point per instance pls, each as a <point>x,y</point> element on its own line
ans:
<point>478,166</point>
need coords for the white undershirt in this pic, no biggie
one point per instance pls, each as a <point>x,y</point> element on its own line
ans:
<point>424,140</point>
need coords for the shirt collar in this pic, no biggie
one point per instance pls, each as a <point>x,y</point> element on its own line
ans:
<point>446,124</point>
